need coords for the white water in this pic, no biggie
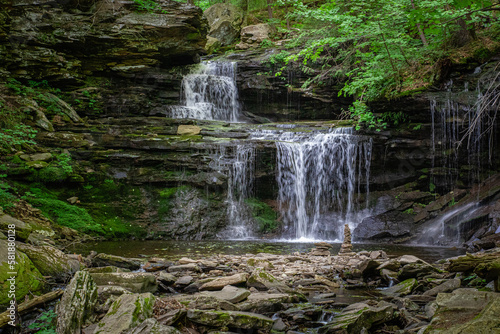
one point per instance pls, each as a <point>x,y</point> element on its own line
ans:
<point>210,93</point>
<point>445,230</point>
<point>238,163</point>
<point>319,179</point>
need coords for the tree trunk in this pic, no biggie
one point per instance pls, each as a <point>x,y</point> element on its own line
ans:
<point>420,31</point>
<point>30,304</point>
<point>270,8</point>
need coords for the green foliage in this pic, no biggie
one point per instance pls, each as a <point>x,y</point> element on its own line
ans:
<point>149,6</point>
<point>360,112</point>
<point>57,171</point>
<point>432,187</point>
<point>474,280</point>
<point>379,48</point>
<point>396,118</point>
<point>266,43</point>
<point>7,199</point>
<point>417,126</point>
<point>263,214</point>
<point>64,213</point>
<point>45,96</point>
<point>278,58</point>
<point>16,137</point>
<point>45,323</point>
<point>409,211</point>
<point>89,103</point>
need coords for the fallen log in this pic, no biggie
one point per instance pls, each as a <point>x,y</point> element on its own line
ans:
<point>30,304</point>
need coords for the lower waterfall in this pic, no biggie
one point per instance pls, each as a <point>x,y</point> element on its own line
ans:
<point>321,180</point>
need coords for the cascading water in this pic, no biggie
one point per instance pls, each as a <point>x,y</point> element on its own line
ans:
<point>450,117</point>
<point>210,93</point>
<point>240,181</point>
<point>319,178</point>
<point>238,163</point>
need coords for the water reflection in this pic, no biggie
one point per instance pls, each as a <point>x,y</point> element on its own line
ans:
<point>198,249</point>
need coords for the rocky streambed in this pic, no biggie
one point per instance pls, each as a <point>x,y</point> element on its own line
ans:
<point>310,292</point>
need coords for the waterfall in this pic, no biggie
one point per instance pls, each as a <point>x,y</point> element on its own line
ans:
<point>319,177</point>
<point>210,93</point>
<point>445,229</point>
<point>240,188</point>
<point>238,163</point>
<point>450,118</point>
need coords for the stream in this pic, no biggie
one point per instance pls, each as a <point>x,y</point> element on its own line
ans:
<point>173,250</point>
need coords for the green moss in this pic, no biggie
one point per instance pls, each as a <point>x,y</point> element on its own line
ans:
<point>28,278</point>
<point>263,214</point>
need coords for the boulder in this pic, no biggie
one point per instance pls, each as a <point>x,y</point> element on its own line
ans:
<point>126,313</point>
<point>133,282</point>
<point>212,44</point>
<point>466,311</point>
<point>22,229</point>
<point>261,302</point>
<point>27,274</point>
<point>230,293</point>
<point>262,280</point>
<point>183,281</point>
<point>231,319</point>
<point>151,326</point>
<point>402,289</point>
<point>388,225</point>
<point>221,282</point>
<point>41,157</point>
<point>166,278</point>
<point>485,264</point>
<point>204,302</point>
<point>51,261</point>
<point>447,286</point>
<point>102,260</point>
<point>360,317</point>
<point>106,291</point>
<point>224,20</point>
<point>255,34</point>
<point>77,303</point>
<point>152,266</point>
<point>417,270</point>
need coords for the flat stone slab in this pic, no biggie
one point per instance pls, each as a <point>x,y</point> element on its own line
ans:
<point>221,282</point>
<point>232,319</point>
<point>133,282</point>
<point>466,311</point>
<point>230,293</point>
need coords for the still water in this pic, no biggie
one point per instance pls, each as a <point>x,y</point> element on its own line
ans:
<point>198,249</point>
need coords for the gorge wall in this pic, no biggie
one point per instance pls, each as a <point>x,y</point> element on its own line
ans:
<point>113,74</point>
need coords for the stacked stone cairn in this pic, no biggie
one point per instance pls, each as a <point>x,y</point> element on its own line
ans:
<point>346,248</point>
<point>322,249</point>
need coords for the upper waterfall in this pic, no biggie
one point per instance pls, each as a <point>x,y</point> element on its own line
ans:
<point>210,93</point>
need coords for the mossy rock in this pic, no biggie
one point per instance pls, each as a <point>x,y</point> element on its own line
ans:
<point>23,230</point>
<point>126,312</point>
<point>28,279</point>
<point>133,282</point>
<point>77,303</point>
<point>51,262</point>
<point>231,319</point>
<point>402,289</point>
<point>262,280</point>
